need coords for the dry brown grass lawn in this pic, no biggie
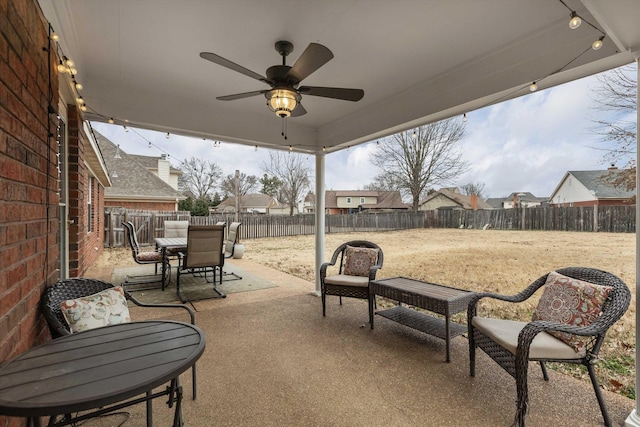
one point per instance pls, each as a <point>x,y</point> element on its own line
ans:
<point>492,260</point>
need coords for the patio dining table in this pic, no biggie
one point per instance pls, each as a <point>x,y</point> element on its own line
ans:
<point>99,371</point>
<point>165,243</point>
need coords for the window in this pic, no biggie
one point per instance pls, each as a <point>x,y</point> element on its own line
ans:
<point>89,210</point>
<point>362,200</point>
<point>348,200</point>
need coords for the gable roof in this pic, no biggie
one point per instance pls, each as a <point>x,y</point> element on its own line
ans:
<point>599,183</point>
<point>252,200</point>
<point>458,198</point>
<point>134,180</point>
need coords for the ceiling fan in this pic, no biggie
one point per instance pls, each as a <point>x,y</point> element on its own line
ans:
<point>284,96</point>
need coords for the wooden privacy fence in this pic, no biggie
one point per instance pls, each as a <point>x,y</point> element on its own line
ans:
<point>150,224</point>
<point>611,219</point>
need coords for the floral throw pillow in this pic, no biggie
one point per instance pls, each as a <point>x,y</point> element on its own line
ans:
<point>108,307</point>
<point>358,261</point>
<point>573,302</point>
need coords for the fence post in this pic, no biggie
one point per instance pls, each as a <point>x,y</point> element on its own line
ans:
<point>595,218</point>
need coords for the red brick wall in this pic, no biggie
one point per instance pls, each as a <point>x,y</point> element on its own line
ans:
<point>28,176</point>
<point>147,206</point>
<point>82,243</point>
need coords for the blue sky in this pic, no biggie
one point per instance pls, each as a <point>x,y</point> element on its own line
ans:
<point>523,145</point>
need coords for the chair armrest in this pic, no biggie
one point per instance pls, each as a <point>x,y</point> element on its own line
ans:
<point>373,271</point>
<point>323,269</point>
<point>142,304</point>
<point>472,308</point>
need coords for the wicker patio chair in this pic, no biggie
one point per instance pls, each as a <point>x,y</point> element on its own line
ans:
<point>513,344</point>
<point>360,260</point>
<point>203,255</point>
<point>73,288</point>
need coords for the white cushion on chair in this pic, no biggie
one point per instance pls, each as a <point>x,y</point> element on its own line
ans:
<point>345,280</point>
<point>108,307</point>
<point>543,346</point>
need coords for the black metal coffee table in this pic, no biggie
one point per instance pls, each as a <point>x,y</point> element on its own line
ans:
<point>429,296</point>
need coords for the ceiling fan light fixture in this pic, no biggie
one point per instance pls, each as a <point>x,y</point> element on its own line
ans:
<point>282,101</point>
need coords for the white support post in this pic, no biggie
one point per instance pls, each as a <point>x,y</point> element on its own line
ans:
<point>320,223</point>
<point>633,420</point>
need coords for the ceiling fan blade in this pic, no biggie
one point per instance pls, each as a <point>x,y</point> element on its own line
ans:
<point>333,92</point>
<point>313,57</point>
<point>233,66</point>
<point>298,111</point>
<point>241,95</point>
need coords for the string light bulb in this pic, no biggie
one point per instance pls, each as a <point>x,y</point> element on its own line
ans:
<point>79,86</point>
<point>464,117</point>
<point>255,148</point>
<point>62,68</point>
<point>414,135</point>
<point>575,20</point>
<point>149,145</point>
<point>324,148</point>
<point>533,87</point>
<point>83,108</point>
<point>126,129</point>
<point>111,121</point>
<point>54,37</point>
<point>167,135</point>
<point>597,44</point>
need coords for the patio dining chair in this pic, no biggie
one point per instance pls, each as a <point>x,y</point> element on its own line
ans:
<point>71,289</point>
<point>175,229</point>
<point>144,258</point>
<point>230,243</point>
<point>577,307</point>
<point>203,256</point>
<point>360,260</point>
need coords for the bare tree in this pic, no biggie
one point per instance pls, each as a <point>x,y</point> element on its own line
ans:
<point>246,184</point>
<point>293,171</point>
<point>616,94</point>
<point>200,177</point>
<point>412,161</point>
<point>474,188</point>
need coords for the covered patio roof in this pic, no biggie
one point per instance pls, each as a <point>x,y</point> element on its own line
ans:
<point>417,61</point>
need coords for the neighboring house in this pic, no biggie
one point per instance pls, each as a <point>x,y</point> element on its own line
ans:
<point>520,199</point>
<point>590,188</point>
<point>253,203</point>
<point>353,201</point>
<point>160,167</point>
<point>309,203</point>
<point>133,185</point>
<point>451,198</point>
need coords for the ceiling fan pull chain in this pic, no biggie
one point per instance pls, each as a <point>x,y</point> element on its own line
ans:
<point>284,127</point>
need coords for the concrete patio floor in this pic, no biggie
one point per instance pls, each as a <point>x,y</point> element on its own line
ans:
<point>271,359</point>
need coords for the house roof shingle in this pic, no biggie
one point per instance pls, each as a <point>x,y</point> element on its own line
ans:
<point>134,180</point>
<point>598,183</point>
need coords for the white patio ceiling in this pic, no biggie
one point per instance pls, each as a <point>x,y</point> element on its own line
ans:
<point>418,61</point>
